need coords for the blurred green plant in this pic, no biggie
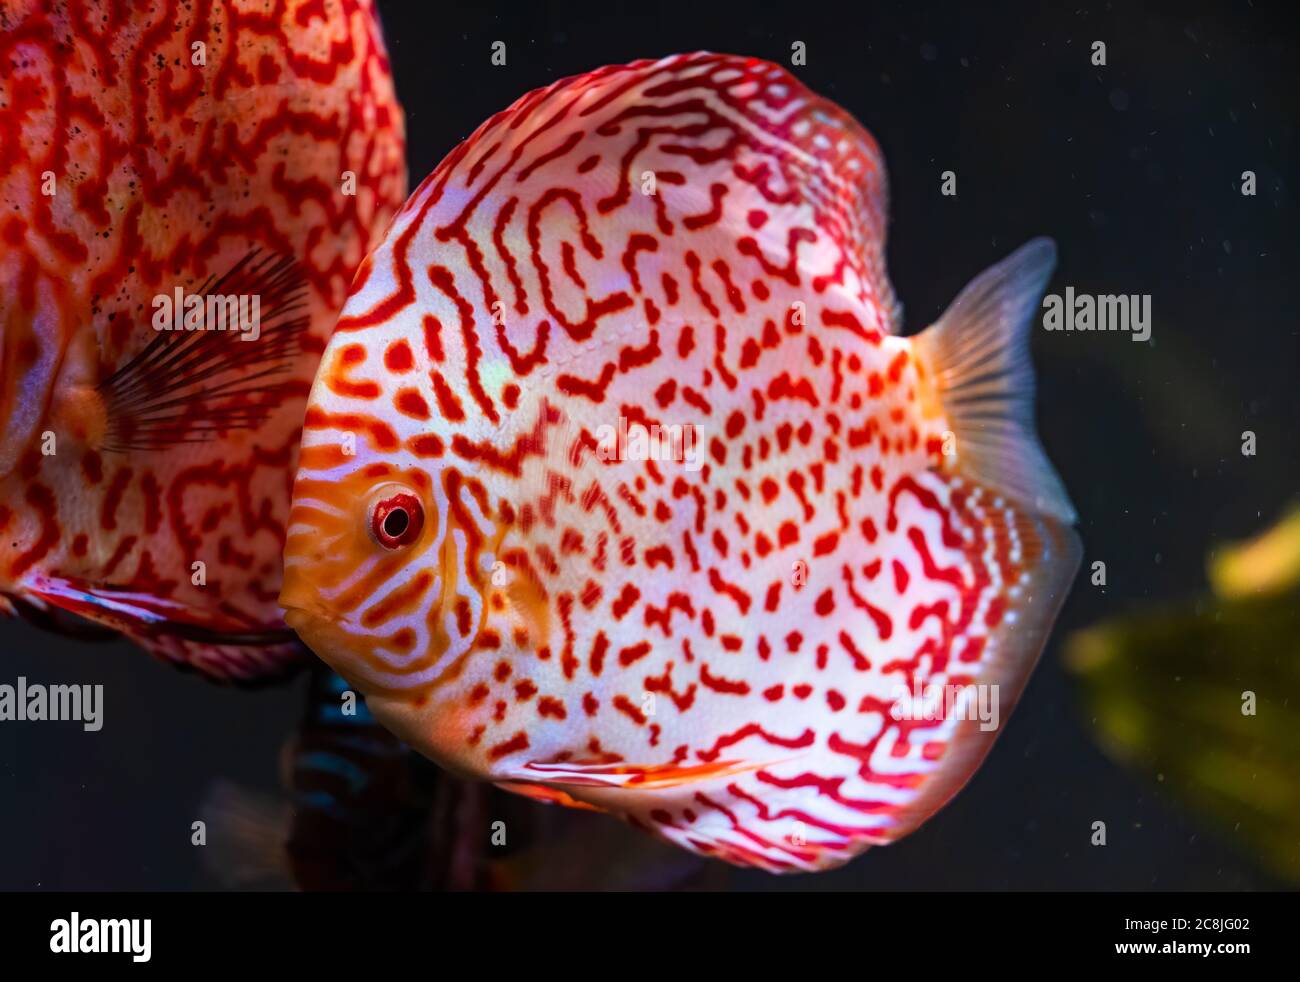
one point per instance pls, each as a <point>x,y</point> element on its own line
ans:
<point>1203,694</point>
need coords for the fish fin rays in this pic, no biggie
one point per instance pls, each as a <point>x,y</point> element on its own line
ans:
<point>192,385</point>
<point>976,357</point>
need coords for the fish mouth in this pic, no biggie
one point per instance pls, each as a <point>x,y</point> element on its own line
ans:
<point>318,627</point>
<point>302,612</point>
<point>322,632</point>
<point>302,620</point>
<point>301,601</point>
<point>310,620</point>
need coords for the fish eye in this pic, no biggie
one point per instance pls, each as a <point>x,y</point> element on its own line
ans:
<point>396,519</point>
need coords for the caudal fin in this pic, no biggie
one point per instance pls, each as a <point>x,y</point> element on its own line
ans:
<point>978,354</point>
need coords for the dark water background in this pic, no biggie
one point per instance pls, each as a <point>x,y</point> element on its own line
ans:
<point>1134,169</point>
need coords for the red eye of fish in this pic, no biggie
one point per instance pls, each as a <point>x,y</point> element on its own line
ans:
<point>396,520</point>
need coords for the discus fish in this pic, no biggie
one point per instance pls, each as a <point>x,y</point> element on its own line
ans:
<point>185,194</point>
<point>620,488</point>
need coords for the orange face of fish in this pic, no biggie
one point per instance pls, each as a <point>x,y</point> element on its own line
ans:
<point>388,573</point>
<point>619,488</point>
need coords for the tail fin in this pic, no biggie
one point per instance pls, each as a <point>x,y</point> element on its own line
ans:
<point>978,353</point>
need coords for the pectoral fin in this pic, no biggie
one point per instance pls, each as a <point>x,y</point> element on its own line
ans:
<point>199,383</point>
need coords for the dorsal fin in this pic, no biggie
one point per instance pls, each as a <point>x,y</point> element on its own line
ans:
<point>189,385</point>
<point>854,167</point>
<point>837,166</point>
<point>736,143</point>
